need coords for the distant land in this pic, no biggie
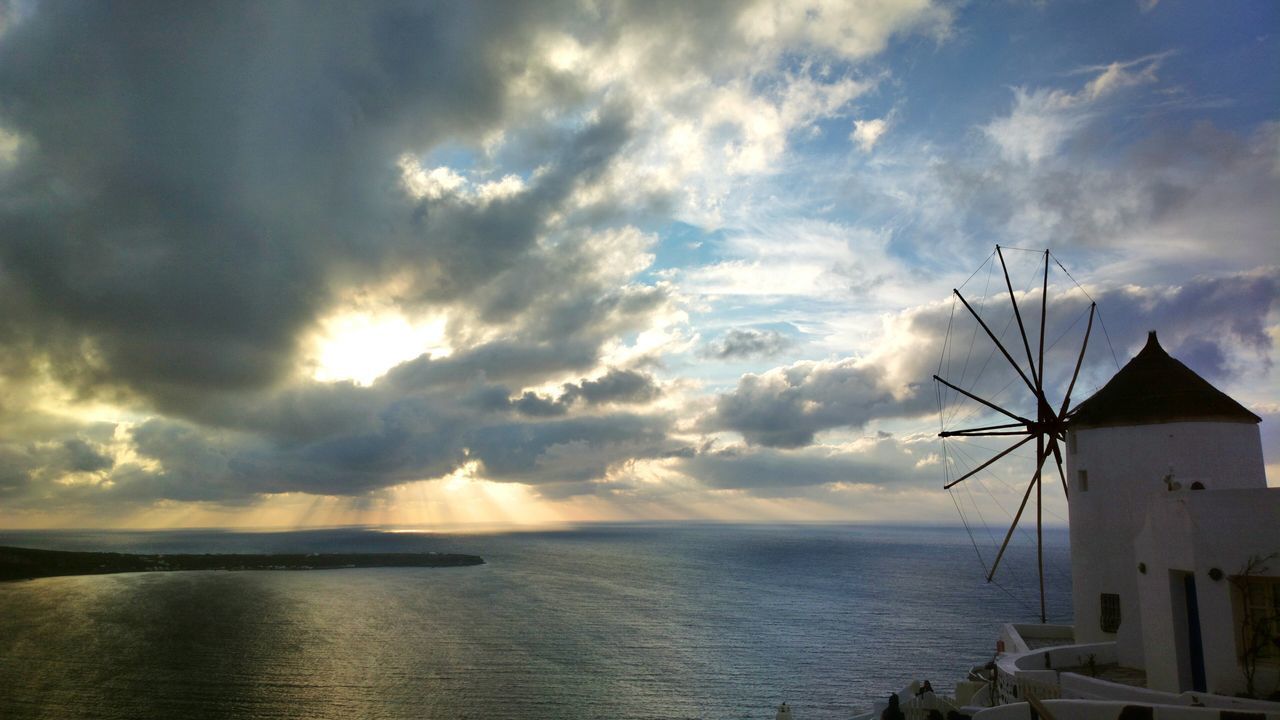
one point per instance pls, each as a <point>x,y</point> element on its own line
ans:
<point>25,563</point>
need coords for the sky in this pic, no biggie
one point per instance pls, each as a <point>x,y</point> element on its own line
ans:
<point>280,264</point>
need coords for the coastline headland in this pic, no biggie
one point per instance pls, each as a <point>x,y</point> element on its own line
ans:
<point>27,563</point>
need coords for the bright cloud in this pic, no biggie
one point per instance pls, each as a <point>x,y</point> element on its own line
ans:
<point>867,132</point>
<point>1043,119</point>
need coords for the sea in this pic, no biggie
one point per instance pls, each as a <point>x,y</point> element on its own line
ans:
<point>656,621</point>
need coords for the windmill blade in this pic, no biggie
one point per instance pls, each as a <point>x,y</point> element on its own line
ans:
<point>1044,311</point>
<point>1042,410</point>
<point>1022,329</point>
<point>1009,535</point>
<point>1039,503</point>
<point>982,433</point>
<point>995,340</point>
<point>1048,425</point>
<point>988,403</point>
<point>1057,458</point>
<point>1066,399</point>
<point>984,465</point>
<point>987,429</point>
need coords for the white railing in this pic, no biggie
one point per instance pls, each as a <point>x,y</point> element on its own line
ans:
<point>1042,685</point>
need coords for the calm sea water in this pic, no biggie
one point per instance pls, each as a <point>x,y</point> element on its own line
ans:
<point>595,622</point>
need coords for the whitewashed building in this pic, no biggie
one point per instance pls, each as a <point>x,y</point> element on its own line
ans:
<point>1175,562</point>
<point>1174,531</point>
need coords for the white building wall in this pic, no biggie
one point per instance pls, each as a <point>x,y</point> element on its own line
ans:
<point>1126,467</point>
<point>1196,532</point>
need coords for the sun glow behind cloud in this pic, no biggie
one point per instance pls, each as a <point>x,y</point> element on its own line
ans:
<point>361,345</point>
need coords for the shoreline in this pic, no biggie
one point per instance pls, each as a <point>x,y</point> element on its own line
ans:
<point>17,563</point>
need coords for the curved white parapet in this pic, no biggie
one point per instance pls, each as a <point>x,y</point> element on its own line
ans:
<point>1037,672</point>
<point>1048,674</point>
<point>1102,710</point>
<point>1025,637</point>
<point>1080,687</point>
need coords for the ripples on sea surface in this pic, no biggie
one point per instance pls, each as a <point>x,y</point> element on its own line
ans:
<point>596,622</point>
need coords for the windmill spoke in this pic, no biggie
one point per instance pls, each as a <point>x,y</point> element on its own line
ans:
<point>988,403</point>
<point>1057,458</point>
<point>1049,426</point>
<point>996,340</point>
<point>962,431</point>
<point>1045,410</point>
<point>986,464</point>
<point>982,433</point>
<point>1040,489</point>
<point>1066,399</point>
<point>1023,506</point>
<point>1022,329</point>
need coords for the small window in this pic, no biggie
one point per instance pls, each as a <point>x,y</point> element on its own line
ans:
<point>1082,480</point>
<point>1110,620</point>
<point>1071,442</point>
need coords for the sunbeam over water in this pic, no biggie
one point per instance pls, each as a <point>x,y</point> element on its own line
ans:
<point>602,621</point>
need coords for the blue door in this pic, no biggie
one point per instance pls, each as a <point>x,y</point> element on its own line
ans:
<point>1193,634</point>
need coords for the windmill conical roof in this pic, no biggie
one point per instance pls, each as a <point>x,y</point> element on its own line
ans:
<point>1155,388</point>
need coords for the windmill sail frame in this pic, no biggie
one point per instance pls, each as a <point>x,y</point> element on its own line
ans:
<point>1048,429</point>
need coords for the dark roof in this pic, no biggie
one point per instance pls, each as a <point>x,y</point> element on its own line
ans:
<point>1155,388</point>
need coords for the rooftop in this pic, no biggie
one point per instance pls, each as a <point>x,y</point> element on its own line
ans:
<point>1156,388</point>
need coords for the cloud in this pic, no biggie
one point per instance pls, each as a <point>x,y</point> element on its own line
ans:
<point>850,29</point>
<point>422,422</point>
<point>192,203</point>
<point>1216,325</point>
<point>882,460</point>
<point>867,132</point>
<point>1137,213</point>
<point>1042,119</point>
<point>172,265</point>
<point>167,271</point>
<point>1118,76</point>
<point>615,387</point>
<point>747,343</point>
<point>41,468</point>
<point>787,407</point>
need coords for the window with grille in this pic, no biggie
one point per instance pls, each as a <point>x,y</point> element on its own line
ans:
<point>1260,623</point>
<point>1110,620</point>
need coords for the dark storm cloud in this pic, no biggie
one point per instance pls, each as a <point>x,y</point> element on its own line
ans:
<point>197,186</point>
<point>83,457</point>
<point>342,439</point>
<point>28,468</point>
<point>410,440</point>
<point>742,344</point>
<point>616,386</point>
<point>787,407</point>
<point>197,182</point>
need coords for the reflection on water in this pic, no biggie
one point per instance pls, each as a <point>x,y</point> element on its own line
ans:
<point>602,622</point>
